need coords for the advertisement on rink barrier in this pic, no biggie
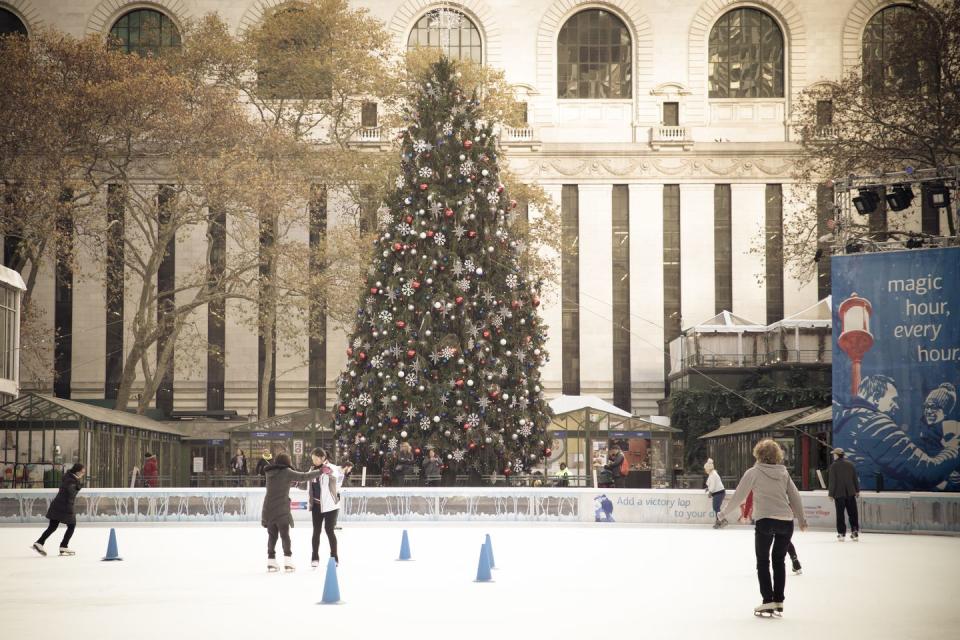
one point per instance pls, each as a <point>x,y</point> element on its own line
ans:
<point>896,367</point>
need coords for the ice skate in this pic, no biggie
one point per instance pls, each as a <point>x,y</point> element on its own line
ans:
<point>855,536</point>
<point>779,611</point>
<point>39,548</point>
<point>272,566</point>
<point>288,565</point>
<point>797,569</point>
<point>841,537</point>
<point>67,552</point>
<point>766,610</point>
<point>314,563</point>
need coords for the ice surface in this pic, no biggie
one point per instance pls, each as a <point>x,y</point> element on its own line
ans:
<point>552,580</point>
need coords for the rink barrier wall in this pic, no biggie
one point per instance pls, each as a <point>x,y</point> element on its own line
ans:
<point>879,512</point>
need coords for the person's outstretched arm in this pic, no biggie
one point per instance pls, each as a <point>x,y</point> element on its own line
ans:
<point>743,490</point>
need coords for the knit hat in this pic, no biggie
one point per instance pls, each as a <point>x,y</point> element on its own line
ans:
<point>708,465</point>
<point>838,452</point>
<point>943,397</point>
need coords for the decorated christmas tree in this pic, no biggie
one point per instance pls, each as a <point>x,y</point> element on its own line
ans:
<point>447,346</point>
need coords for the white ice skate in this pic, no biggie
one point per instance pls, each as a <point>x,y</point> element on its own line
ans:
<point>272,566</point>
<point>314,563</point>
<point>67,552</point>
<point>288,565</point>
<point>39,548</point>
<point>855,536</point>
<point>767,610</point>
<point>841,538</point>
<point>779,611</point>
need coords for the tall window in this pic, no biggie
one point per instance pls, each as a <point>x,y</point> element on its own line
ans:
<point>723,248</point>
<point>9,299</point>
<point>621,297</point>
<point>145,32</point>
<point>594,57</point>
<point>824,215</point>
<point>216,309</point>
<point>890,49</point>
<point>10,23</point>
<point>113,367</point>
<point>450,31</point>
<point>671,266</point>
<point>570,288</point>
<point>746,56</point>
<point>774,252</point>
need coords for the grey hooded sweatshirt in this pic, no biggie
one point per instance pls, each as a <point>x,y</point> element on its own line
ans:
<point>774,494</point>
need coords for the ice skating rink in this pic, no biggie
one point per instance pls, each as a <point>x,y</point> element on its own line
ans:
<point>557,581</point>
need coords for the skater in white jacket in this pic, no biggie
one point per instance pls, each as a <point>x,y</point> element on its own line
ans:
<point>776,502</point>
<point>715,489</point>
<point>324,503</point>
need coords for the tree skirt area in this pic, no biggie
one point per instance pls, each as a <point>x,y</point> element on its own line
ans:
<point>584,581</point>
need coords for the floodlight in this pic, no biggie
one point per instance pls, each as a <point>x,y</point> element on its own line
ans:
<point>900,198</point>
<point>866,202</point>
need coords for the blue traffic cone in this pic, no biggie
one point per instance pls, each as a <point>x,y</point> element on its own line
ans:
<point>404,547</point>
<point>483,566</point>
<point>331,588</point>
<point>489,544</point>
<point>112,552</point>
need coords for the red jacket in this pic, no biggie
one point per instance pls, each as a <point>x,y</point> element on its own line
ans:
<point>150,472</point>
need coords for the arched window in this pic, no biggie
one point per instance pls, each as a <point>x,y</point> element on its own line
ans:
<point>746,56</point>
<point>894,51</point>
<point>450,31</point>
<point>145,32</point>
<point>10,23</point>
<point>594,56</point>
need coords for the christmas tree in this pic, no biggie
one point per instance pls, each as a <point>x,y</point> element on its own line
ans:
<point>447,346</point>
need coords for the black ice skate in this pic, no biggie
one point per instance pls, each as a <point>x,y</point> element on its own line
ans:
<point>767,610</point>
<point>855,536</point>
<point>797,569</point>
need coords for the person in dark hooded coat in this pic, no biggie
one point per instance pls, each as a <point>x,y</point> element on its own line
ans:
<point>276,516</point>
<point>62,510</point>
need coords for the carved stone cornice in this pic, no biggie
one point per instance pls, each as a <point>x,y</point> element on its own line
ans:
<point>600,167</point>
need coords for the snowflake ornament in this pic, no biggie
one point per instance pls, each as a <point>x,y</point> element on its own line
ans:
<point>404,229</point>
<point>459,231</point>
<point>376,362</point>
<point>425,172</point>
<point>421,145</point>
<point>466,168</point>
<point>463,284</point>
<point>410,412</point>
<point>512,281</point>
<point>473,420</point>
<point>518,466</point>
<point>392,443</point>
<point>448,130</point>
<point>400,182</point>
<point>448,352</point>
<point>412,380</point>
<point>364,399</point>
<point>407,289</point>
<point>440,239</point>
<point>385,317</point>
<point>424,423</point>
<point>458,455</point>
<point>526,430</point>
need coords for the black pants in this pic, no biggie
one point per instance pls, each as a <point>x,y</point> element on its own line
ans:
<point>848,504</point>
<point>273,531</point>
<point>775,533</point>
<point>323,521</point>
<point>53,527</point>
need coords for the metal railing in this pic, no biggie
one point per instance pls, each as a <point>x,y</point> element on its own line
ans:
<point>777,356</point>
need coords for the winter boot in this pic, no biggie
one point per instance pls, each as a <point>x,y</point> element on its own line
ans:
<point>67,552</point>
<point>39,548</point>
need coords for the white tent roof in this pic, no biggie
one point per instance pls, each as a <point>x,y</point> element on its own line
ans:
<point>568,404</point>
<point>816,315</point>
<point>726,322</point>
<point>12,278</point>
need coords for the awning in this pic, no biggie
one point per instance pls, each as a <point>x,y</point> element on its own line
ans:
<point>568,404</point>
<point>757,423</point>
<point>38,407</point>
<point>12,278</point>
<point>304,420</point>
<point>817,417</point>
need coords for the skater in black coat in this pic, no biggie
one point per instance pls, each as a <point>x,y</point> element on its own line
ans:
<point>276,516</point>
<point>61,510</point>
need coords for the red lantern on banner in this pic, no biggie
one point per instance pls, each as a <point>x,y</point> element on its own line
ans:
<point>855,337</point>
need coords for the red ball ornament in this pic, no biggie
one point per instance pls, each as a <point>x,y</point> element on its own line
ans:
<point>448,212</point>
<point>430,233</point>
<point>409,219</point>
<point>415,284</point>
<point>373,291</point>
<point>423,186</point>
<point>350,351</point>
<point>394,421</point>
<point>417,451</point>
<point>500,189</point>
<point>513,204</point>
<point>468,144</point>
<point>359,414</point>
<point>342,408</point>
<point>515,304</point>
<point>536,301</point>
<point>459,382</point>
<point>397,246</point>
<point>486,333</point>
<point>401,324</point>
<point>547,452</point>
<point>362,356</point>
<point>507,471</point>
<point>472,445</point>
<point>459,299</point>
<point>411,353</point>
<point>472,234</point>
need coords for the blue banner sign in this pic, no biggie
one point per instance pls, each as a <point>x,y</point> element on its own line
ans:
<point>896,367</point>
<point>628,434</point>
<point>272,434</point>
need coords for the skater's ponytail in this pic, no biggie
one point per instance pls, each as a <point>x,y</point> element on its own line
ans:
<point>76,468</point>
<point>320,453</point>
<point>283,459</point>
